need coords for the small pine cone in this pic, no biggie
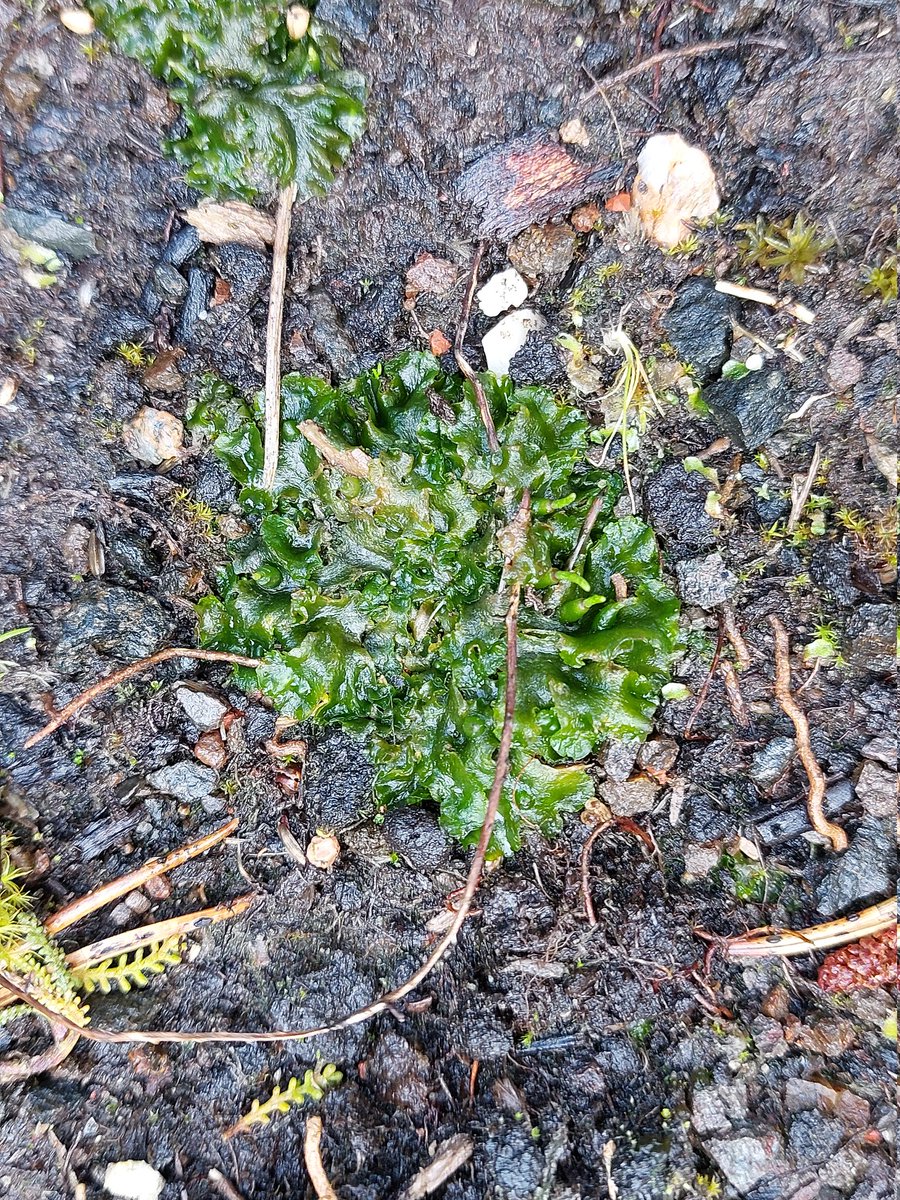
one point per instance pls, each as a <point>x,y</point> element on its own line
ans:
<point>869,963</point>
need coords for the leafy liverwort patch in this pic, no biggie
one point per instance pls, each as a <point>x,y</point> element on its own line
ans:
<point>372,586</point>
<point>261,107</point>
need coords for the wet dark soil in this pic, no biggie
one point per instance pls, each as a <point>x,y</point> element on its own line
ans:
<point>549,1042</point>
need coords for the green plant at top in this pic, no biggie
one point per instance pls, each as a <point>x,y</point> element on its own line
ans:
<point>261,107</point>
<point>372,582</point>
<point>790,247</point>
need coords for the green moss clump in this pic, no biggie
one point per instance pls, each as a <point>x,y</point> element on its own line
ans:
<point>373,591</point>
<point>261,108</point>
<point>789,247</point>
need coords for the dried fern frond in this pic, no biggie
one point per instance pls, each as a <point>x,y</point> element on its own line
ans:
<point>315,1083</point>
<point>130,970</point>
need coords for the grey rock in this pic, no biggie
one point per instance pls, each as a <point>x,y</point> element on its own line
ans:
<point>214,484</point>
<point>131,555</point>
<point>628,799</point>
<point>844,369</point>
<point>187,781</point>
<point>416,835</point>
<point>864,873</point>
<point>204,706</point>
<point>845,1170</point>
<point>515,1161</point>
<point>52,230</point>
<point>354,17</point>
<point>700,860</point>
<point>675,505</point>
<point>870,638</point>
<point>21,90</point>
<point>831,570</point>
<point>746,1161</point>
<point>882,749</point>
<point>853,1110</point>
<point>621,755</point>
<point>793,822</point>
<point>717,1109</point>
<point>113,620</point>
<point>169,284</point>
<point>699,327</point>
<point>338,782</point>
<point>813,1138</point>
<point>753,407</point>
<point>769,764</point>
<point>53,130</point>
<point>877,789</point>
<point>196,302</point>
<point>658,754</point>
<point>705,581</point>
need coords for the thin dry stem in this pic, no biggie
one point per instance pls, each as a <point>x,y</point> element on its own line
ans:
<point>624,823</point>
<point>815,801</point>
<point>786,943</point>
<point>742,292</point>
<point>693,51</point>
<point>312,1156</point>
<point>83,699</point>
<point>286,198</point>
<point>734,635</point>
<point>352,462</point>
<point>461,362</point>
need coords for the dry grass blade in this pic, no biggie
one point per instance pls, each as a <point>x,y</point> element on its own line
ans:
<point>312,1156</point>
<point>681,52</point>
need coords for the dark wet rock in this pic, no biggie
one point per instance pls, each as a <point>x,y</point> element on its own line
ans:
<point>769,764</point>
<point>813,1138</point>
<point>416,835</point>
<point>600,56</point>
<point>619,758</point>
<point>746,1161</point>
<point>882,749</point>
<point>112,620</point>
<point>794,821</point>
<point>180,246</point>
<point>770,499</point>
<point>53,129</point>
<point>131,554</point>
<point>150,302</point>
<point>481,1035</point>
<point>544,251</point>
<point>214,485</point>
<point>831,569</point>
<point>195,305</point>
<point>328,335</point>
<point>163,374</point>
<point>870,638</point>
<point>399,1073</point>
<point>539,361</point>
<point>706,821</point>
<point>699,327</point>
<point>877,789</point>
<point>675,504</point>
<point>356,18</point>
<point>716,1109</point>
<point>515,1162</point>
<point>246,270</point>
<point>705,581</point>
<point>169,284</point>
<point>187,781</point>
<point>864,873</point>
<point>375,322</point>
<point>768,1037</point>
<point>149,488</point>
<point>658,755</point>
<point>338,782</point>
<point>52,230</point>
<point>629,798</point>
<point>751,408</point>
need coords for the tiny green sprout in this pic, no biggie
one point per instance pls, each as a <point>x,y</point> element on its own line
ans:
<point>692,464</point>
<point>881,281</point>
<point>133,353</point>
<point>155,685</point>
<point>889,1026</point>
<point>535,1133</point>
<point>79,756</point>
<point>685,248</point>
<point>735,370</point>
<point>790,247</point>
<point>852,521</point>
<point>816,508</point>
<point>708,1186</point>
<point>824,648</point>
<point>799,582</point>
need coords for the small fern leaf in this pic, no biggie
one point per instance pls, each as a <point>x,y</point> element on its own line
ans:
<point>315,1083</point>
<point>130,970</point>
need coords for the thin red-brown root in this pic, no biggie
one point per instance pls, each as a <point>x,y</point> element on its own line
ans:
<point>693,51</point>
<point>623,823</point>
<point>461,361</point>
<point>125,673</point>
<point>704,690</point>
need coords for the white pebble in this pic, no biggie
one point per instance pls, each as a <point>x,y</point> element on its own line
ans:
<point>505,290</point>
<point>77,20</point>
<point>502,343</point>
<point>133,1179</point>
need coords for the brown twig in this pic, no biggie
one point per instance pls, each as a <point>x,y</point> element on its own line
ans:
<point>125,673</point>
<point>624,823</point>
<point>704,690</point>
<point>620,586</point>
<point>223,1185</point>
<point>461,361</point>
<point>801,488</point>
<point>693,51</point>
<point>385,1003</point>
<point>586,529</point>
<point>64,1042</point>
<point>761,943</point>
<point>733,693</point>
<point>448,1158</point>
<point>286,198</point>
<point>78,909</point>
<point>815,801</point>
<point>312,1156</point>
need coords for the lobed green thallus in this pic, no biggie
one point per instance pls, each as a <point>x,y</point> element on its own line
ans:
<point>260,108</point>
<point>378,603</point>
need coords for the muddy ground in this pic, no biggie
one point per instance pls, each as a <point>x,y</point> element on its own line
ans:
<point>542,1039</point>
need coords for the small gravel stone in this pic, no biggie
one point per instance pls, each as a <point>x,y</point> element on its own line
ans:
<point>323,851</point>
<point>187,781</point>
<point>745,1161</point>
<point>845,1170</point>
<point>870,638</point>
<point>844,369</point>
<point>204,706</point>
<point>628,799</point>
<point>853,1110</point>
<point>658,755</point>
<point>699,327</point>
<point>544,251</point>
<point>621,755</point>
<point>753,407</point>
<point>133,1179</point>
<point>882,749</point>
<point>169,284</point>
<point>210,750</point>
<point>813,1138</point>
<point>507,337</point>
<point>716,1109</point>
<point>163,375</point>
<point>864,873</point>
<point>700,860</point>
<point>877,789</point>
<point>706,582</point>
<point>153,436</point>
<point>769,764</point>
<point>415,834</point>
<point>51,230</point>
